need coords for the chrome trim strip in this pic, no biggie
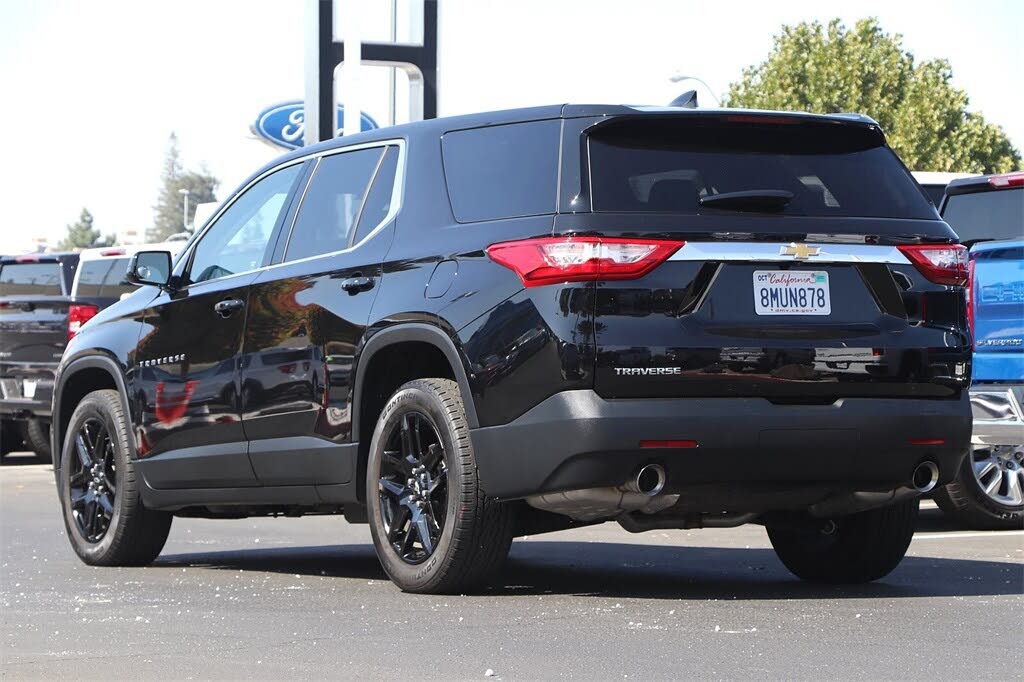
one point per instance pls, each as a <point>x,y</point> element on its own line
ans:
<point>773,252</point>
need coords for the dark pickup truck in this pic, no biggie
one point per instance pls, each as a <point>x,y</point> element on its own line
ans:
<point>35,307</point>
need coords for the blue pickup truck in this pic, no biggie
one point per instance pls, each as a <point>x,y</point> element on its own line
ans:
<point>987,213</point>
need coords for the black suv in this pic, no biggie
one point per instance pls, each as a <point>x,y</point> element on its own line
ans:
<point>467,329</point>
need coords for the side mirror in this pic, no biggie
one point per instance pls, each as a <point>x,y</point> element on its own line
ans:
<point>152,268</point>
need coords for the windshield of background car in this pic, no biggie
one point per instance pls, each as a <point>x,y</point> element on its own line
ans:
<point>667,165</point>
<point>994,215</point>
<point>30,279</point>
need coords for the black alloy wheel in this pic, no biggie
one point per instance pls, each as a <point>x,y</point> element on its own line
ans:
<point>92,480</point>
<point>413,488</point>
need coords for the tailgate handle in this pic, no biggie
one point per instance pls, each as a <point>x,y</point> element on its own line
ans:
<point>227,307</point>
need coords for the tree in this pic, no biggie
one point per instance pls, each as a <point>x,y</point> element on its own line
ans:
<point>81,234</point>
<point>827,69</point>
<point>201,186</point>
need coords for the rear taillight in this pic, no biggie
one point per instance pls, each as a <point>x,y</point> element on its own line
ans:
<point>550,260</point>
<point>970,301</point>
<point>940,263</point>
<point>79,314</point>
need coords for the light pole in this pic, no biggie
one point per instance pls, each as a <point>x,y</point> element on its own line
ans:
<point>184,210</point>
<point>678,78</point>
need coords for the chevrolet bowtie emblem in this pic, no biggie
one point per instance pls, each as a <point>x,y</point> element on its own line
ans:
<point>799,251</point>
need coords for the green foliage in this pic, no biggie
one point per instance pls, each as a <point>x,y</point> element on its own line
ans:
<point>830,68</point>
<point>81,234</point>
<point>201,185</point>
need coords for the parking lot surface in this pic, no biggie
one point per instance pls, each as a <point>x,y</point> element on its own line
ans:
<point>301,598</point>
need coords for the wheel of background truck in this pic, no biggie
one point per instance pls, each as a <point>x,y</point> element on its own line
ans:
<point>988,491</point>
<point>104,516</point>
<point>434,529</point>
<point>860,548</point>
<point>37,437</point>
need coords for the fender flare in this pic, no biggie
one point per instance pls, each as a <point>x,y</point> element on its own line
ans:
<point>66,372</point>
<point>404,332</point>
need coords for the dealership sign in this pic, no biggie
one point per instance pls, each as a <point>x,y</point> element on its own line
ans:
<point>283,125</point>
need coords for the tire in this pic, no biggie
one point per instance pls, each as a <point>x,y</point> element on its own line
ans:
<point>473,532</point>
<point>965,500</point>
<point>133,535</point>
<point>37,437</point>
<point>863,547</point>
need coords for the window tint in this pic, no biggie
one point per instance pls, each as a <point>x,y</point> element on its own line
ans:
<point>986,215</point>
<point>669,165</point>
<point>103,278</point>
<point>502,171</point>
<point>238,240</point>
<point>332,202</point>
<point>378,200</point>
<point>30,279</point>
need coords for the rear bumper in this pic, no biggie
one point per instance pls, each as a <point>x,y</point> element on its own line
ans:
<point>19,399</point>
<point>998,416</point>
<point>576,439</point>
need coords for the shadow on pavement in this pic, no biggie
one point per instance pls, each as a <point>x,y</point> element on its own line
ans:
<point>642,571</point>
<point>16,459</point>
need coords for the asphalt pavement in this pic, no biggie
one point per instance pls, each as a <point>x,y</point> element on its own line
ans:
<point>306,598</point>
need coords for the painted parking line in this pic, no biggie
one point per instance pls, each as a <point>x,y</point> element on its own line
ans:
<point>983,534</point>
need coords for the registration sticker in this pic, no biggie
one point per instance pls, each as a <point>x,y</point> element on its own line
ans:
<point>791,292</point>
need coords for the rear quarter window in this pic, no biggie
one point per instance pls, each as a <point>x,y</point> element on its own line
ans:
<point>505,171</point>
<point>30,279</point>
<point>996,215</point>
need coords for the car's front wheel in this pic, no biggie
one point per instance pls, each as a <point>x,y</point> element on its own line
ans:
<point>105,519</point>
<point>988,491</point>
<point>434,529</point>
<point>852,549</point>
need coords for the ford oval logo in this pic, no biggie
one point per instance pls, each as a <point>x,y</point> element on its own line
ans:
<point>283,125</point>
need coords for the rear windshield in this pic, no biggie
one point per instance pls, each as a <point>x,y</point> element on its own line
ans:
<point>103,278</point>
<point>30,279</point>
<point>986,215</point>
<point>668,165</point>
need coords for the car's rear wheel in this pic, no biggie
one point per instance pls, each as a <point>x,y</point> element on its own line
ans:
<point>434,529</point>
<point>988,491</point>
<point>37,436</point>
<point>105,519</point>
<point>853,549</point>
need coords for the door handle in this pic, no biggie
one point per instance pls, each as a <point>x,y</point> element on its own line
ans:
<point>227,307</point>
<point>354,285</point>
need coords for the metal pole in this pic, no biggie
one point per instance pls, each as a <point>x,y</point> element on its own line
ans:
<point>353,61</point>
<point>184,208</point>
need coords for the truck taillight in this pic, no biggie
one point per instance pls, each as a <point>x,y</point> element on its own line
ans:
<point>939,263</point>
<point>550,260</point>
<point>79,314</point>
<point>970,301</point>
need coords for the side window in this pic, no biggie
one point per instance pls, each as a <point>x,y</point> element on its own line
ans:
<point>381,195</point>
<point>238,240</point>
<point>332,202</point>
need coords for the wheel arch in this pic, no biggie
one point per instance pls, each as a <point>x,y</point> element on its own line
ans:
<point>77,379</point>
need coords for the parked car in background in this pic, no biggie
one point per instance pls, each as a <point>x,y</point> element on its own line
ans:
<point>987,213</point>
<point>934,183</point>
<point>36,319</point>
<point>44,301</point>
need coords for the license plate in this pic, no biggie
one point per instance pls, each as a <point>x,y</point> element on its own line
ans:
<point>791,292</point>
<point>28,388</point>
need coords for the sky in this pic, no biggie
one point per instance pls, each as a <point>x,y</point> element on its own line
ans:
<point>90,91</point>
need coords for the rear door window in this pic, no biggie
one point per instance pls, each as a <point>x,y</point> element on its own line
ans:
<point>668,165</point>
<point>504,171</point>
<point>997,215</point>
<point>30,279</point>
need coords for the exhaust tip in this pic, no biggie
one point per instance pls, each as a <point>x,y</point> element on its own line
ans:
<point>926,475</point>
<point>650,480</point>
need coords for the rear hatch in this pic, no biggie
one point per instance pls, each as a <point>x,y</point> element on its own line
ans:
<point>33,311</point>
<point>808,265</point>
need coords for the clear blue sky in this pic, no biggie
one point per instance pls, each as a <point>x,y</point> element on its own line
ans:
<point>91,90</point>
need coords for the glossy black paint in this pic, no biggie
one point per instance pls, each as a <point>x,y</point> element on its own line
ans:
<point>268,407</point>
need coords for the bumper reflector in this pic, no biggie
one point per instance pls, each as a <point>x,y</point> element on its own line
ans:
<point>668,443</point>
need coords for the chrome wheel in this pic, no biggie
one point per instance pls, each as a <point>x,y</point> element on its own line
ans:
<point>999,471</point>
<point>92,479</point>
<point>413,488</point>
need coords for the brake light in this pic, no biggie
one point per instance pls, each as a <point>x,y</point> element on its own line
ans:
<point>112,252</point>
<point>940,263</point>
<point>970,301</point>
<point>1007,180</point>
<point>550,260</point>
<point>79,314</point>
<point>26,259</point>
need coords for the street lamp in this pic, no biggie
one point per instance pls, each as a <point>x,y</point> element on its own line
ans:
<point>678,78</point>
<point>184,210</point>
